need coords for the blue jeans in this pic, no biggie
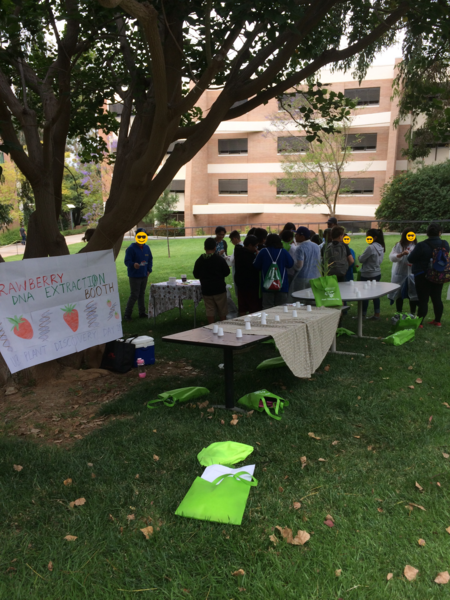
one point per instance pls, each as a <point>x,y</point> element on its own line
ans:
<point>376,301</point>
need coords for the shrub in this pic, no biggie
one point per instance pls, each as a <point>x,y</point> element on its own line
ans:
<point>422,195</point>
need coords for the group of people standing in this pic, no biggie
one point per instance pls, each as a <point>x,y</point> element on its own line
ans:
<point>301,255</point>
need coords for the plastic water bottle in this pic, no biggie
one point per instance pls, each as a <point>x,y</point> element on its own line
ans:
<point>141,368</point>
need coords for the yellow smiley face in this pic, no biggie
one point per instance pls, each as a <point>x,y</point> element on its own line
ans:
<point>369,239</point>
<point>410,236</point>
<point>346,239</point>
<point>141,237</point>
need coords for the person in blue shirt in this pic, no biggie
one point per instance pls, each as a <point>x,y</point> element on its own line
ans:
<point>274,252</point>
<point>139,262</point>
<point>306,261</point>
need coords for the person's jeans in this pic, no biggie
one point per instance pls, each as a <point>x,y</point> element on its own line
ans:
<point>137,292</point>
<point>270,299</point>
<point>425,290</point>
<point>376,301</point>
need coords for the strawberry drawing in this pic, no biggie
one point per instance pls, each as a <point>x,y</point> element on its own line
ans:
<point>109,303</point>
<point>21,327</point>
<point>71,316</point>
<point>116,315</point>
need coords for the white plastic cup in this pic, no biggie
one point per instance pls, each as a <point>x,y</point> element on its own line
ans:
<point>277,317</point>
<point>263,319</point>
<point>352,282</point>
<point>366,286</point>
<point>294,313</point>
<point>374,281</point>
<point>308,308</point>
<point>297,305</point>
<point>285,309</point>
<point>220,332</point>
<point>247,325</point>
<point>215,328</point>
<point>358,294</point>
<point>238,333</point>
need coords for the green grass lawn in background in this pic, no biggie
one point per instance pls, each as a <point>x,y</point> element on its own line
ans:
<point>389,436</point>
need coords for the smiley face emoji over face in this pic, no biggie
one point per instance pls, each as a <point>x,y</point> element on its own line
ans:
<point>346,239</point>
<point>410,236</point>
<point>369,239</point>
<point>141,237</point>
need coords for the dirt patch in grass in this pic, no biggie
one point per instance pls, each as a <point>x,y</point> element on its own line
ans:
<point>66,409</point>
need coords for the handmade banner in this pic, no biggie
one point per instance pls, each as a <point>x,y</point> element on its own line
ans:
<point>52,307</point>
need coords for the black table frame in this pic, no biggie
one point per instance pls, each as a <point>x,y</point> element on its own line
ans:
<point>228,343</point>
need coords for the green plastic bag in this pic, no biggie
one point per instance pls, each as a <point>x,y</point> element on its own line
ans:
<point>272,363</point>
<point>405,323</point>
<point>401,337</point>
<point>264,401</point>
<point>326,291</point>
<point>223,500</point>
<point>224,453</point>
<point>177,396</point>
<point>342,331</point>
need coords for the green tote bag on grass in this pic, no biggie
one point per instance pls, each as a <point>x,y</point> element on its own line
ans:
<point>264,401</point>
<point>272,363</point>
<point>222,501</point>
<point>224,453</point>
<point>400,338</point>
<point>326,291</point>
<point>177,396</point>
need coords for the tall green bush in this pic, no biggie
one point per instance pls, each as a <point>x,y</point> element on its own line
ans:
<point>422,195</point>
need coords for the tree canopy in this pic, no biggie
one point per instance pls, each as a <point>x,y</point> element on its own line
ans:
<point>62,60</point>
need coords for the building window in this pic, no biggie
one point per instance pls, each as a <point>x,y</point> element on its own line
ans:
<point>233,186</point>
<point>364,142</point>
<point>292,187</point>
<point>364,96</point>
<point>292,144</point>
<point>237,146</point>
<point>177,186</point>
<point>363,185</point>
<point>239,102</point>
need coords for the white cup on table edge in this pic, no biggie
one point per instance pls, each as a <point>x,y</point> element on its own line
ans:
<point>238,333</point>
<point>247,325</point>
<point>215,328</point>
<point>220,332</point>
<point>308,308</point>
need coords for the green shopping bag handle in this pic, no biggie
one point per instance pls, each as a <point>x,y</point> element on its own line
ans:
<point>277,408</point>
<point>238,477</point>
<point>166,402</point>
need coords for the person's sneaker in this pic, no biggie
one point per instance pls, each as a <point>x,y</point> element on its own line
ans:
<point>435,323</point>
<point>143,316</point>
<point>420,327</point>
<point>374,318</point>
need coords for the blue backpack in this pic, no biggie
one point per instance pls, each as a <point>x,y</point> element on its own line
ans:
<point>439,269</point>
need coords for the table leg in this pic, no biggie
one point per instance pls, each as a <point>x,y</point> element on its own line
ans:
<point>360,318</point>
<point>229,376</point>
<point>179,306</point>
<point>195,316</point>
<point>154,310</point>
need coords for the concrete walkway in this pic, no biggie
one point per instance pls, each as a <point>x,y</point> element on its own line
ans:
<point>16,249</point>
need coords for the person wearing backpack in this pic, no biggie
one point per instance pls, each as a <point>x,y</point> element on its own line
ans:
<point>273,261</point>
<point>338,257</point>
<point>371,260</point>
<point>431,269</point>
<point>306,261</point>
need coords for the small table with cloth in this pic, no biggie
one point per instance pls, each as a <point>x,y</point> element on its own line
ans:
<point>164,297</point>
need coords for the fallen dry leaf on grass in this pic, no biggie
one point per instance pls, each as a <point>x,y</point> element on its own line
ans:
<point>329,517</point>
<point>17,468</point>
<point>147,531</point>
<point>297,505</point>
<point>410,368</point>
<point>359,398</point>
<point>421,542</point>
<point>280,489</point>
<point>235,416</point>
<point>77,502</point>
<point>90,464</point>
<point>445,455</point>
<point>411,387</point>
<point>67,481</point>
<point>238,573</point>
<point>419,381</point>
<point>327,368</point>
<point>335,443</point>
<point>222,422</point>
<point>250,412</point>
<point>416,505</point>
<point>447,529</point>
<point>321,460</point>
<point>338,572</point>
<point>155,457</point>
<point>303,461</point>
<point>234,422</point>
<point>71,538</point>
<point>442,578</point>
<point>446,404</point>
<point>410,572</point>
<point>329,523</point>
<point>50,566</point>
<point>273,538</point>
<point>369,448</point>
<point>389,576</point>
<point>357,437</point>
<point>301,538</point>
<point>210,410</point>
<point>380,510</point>
<point>419,487</point>
<point>131,517</point>
<point>311,435</point>
<point>203,404</point>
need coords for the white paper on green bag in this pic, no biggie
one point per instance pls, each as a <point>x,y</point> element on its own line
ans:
<point>214,471</point>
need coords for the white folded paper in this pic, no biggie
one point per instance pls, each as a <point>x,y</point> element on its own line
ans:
<point>214,471</point>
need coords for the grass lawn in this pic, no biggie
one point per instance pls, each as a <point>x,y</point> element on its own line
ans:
<point>389,436</point>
